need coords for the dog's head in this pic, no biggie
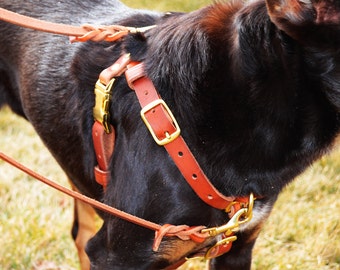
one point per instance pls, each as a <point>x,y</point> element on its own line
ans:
<point>313,22</point>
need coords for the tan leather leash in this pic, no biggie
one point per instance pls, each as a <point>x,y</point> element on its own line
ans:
<point>76,33</point>
<point>184,232</point>
<point>98,205</point>
<point>197,233</point>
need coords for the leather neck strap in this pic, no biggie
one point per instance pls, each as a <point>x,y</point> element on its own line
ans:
<point>165,131</point>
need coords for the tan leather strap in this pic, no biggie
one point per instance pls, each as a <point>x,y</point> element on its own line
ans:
<point>184,232</point>
<point>78,33</point>
<point>161,124</point>
<point>103,145</point>
<point>40,25</point>
<point>81,197</point>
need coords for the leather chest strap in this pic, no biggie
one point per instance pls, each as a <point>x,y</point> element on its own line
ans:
<point>165,130</point>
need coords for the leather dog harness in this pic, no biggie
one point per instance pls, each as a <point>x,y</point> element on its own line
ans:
<point>164,129</point>
<point>166,132</point>
<point>161,124</point>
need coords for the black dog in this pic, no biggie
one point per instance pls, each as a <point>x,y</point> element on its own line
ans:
<point>255,88</point>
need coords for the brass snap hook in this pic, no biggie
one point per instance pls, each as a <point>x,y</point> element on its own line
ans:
<point>240,217</point>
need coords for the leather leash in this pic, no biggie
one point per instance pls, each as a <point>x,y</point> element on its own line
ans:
<point>98,205</point>
<point>184,232</point>
<point>76,33</point>
<point>197,233</point>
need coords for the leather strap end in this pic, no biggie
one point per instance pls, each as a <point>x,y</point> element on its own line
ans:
<point>102,177</point>
<point>103,144</point>
<point>133,73</point>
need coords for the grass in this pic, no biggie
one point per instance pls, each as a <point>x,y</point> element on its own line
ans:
<point>173,5</point>
<point>303,231</point>
<point>35,220</point>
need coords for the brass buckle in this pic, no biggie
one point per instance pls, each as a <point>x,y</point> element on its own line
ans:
<point>168,137</point>
<point>103,98</point>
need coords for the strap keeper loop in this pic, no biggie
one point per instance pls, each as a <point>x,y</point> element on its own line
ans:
<point>134,72</point>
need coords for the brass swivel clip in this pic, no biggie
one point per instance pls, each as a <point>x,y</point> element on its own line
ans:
<point>227,231</point>
<point>240,217</point>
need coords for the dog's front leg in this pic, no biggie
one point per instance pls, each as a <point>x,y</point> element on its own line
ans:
<point>83,229</point>
<point>238,258</point>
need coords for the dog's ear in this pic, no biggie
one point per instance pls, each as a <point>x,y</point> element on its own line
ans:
<point>307,21</point>
<point>327,12</point>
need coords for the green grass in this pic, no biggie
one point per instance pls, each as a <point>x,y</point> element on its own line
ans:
<point>173,5</point>
<point>303,231</point>
<point>35,220</point>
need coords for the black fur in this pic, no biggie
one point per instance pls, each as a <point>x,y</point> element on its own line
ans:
<point>254,87</point>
